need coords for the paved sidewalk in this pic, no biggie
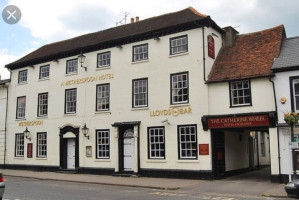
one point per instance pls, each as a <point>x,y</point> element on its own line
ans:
<point>226,186</point>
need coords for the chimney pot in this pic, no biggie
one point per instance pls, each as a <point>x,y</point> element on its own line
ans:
<point>137,19</point>
<point>132,20</point>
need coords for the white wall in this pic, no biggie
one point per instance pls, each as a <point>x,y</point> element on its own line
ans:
<point>157,69</point>
<point>236,150</point>
<point>261,93</point>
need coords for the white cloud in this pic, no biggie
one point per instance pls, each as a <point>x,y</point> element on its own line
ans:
<point>58,19</point>
<point>7,58</point>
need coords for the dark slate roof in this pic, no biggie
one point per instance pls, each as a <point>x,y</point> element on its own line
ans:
<point>251,56</point>
<point>2,82</point>
<point>289,56</point>
<point>145,29</point>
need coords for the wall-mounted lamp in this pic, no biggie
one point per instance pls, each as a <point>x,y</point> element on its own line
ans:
<point>81,58</point>
<point>85,131</point>
<point>27,134</point>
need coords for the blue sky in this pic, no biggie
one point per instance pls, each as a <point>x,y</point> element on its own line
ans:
<point>47,21</point>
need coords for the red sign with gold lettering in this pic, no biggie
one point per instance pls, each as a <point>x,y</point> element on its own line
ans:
<point>203,149</point>
<point>29,150</point>
<point>211,47</point>
<point>240,121</point>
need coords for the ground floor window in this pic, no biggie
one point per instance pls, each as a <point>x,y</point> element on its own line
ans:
<point>19,151</point>
<point>41,145</point>
<point>103,144</point>
<point>156,142</point>
<point>187,139</point>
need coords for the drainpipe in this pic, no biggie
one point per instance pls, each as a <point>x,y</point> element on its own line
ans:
<point>203,54</point>
<point>5,125</point>
<point>278,142</point>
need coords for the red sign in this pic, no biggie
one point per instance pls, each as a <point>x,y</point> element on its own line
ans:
<point>29,150</point>
<point>203,149</point>
<point>241,121</point>
<point>211,47</point>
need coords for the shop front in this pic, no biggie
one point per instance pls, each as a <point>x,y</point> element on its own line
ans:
<point>240,142</point>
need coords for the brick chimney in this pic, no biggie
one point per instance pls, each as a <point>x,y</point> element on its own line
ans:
<point>137,19</point>
<point>132,20</point>
<point>229,36</point>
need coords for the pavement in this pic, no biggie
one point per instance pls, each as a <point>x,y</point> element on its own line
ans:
<point>249,184</point>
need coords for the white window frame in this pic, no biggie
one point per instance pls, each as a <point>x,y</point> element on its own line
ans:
<point>103,144</point>
<point>70,101</point>
<point>238,90</point>
<point>156,143</point>
<point>178,45</point>
<point>180,88</point>
<point>140,93</point>
<point>103,97</point>
<point>19,145</point>
<point>41,145</point>
<point>140,52</point>
<point>296,95</point>
<point>104,59</point>
<point>23,76</point>
<point>187,139</point>
<point>72,66</point>
<point>44,72</point>
<point>21,107</point>
<point>43,101</point>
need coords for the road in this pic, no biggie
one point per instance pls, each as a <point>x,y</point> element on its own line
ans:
<point>33,189</point>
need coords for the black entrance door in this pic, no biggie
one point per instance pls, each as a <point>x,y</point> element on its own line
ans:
<point>218,153</point>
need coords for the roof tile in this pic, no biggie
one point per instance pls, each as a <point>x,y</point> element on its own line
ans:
<point>251,56</point>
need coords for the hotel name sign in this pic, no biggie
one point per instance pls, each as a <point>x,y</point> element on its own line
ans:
<point>175,111</point>
<point>32,123</point>
<point>87,79</point>
<point>240,121</point>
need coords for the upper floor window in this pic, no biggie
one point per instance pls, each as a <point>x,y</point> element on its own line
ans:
<point>72,66</point>
<point>42,104</point>
<point>140,52</point>
<point>70,101</point>
<point>156,143</point>
<point>296,94</point>
<point>187,140</point>
<point>21,107</point>
<point>19,145</point>
<point>179,88</point>
<point>240,93</point>
<point>44,71</point>
<point>22,76</point>
<point>104,59</point>
<point>178,45</point>
<point>140,93</point>
<point>103,94</point>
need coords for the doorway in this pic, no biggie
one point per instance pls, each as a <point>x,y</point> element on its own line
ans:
<point>69,148</point>
<point>127,149</point>
<point>218,154</point>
